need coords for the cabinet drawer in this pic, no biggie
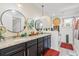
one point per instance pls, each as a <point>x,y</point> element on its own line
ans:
<point>12,48</point>
<point>31,43</point>
<point>17,52</point>
<point>49,37</point>
<point>45,37</point>
<point>40,39</point>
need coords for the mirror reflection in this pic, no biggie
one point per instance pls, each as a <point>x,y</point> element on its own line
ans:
<point>38,25</point>
<point>13,20</point>
<point>30,23</point>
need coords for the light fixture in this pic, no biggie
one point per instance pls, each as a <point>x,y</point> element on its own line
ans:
<point>42,10</point>
<point>19,5</point>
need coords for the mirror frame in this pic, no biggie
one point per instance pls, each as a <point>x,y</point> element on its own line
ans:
<point>16,11</point>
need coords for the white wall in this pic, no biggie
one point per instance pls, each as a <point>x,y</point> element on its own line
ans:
<point>28,10</point>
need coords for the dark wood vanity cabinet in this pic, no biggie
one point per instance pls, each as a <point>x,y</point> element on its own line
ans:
<point>32,51</point>
<point>47,42</point>
<point>43,44</point>
<point>17,50</point>
<point>30,48</point>
<point>40,46</point>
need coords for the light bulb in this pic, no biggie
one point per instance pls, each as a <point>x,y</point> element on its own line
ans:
<point>19,5</point>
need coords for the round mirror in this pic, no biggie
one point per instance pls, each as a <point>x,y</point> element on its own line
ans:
<point>30,23</point>
<point>38,25</point>
<point>13,20</point>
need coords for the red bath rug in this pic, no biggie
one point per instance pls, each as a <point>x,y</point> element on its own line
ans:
<point>66,45</point>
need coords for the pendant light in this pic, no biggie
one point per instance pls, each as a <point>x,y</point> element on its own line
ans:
<point>42,9</point>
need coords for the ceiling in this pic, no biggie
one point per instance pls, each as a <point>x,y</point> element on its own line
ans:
<point>59,9</point>
<point>50,9</point>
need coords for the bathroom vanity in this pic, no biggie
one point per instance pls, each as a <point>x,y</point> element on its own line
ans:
<point>21,45</point>
<point>26,46</point>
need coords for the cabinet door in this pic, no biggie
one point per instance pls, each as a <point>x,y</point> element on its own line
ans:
<point>49,41</point>
<point>40,48</point>
<point>45,43</point>
<point>32,51</point>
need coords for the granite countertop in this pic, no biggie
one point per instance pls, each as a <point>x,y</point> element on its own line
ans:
<point>14,41</point>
